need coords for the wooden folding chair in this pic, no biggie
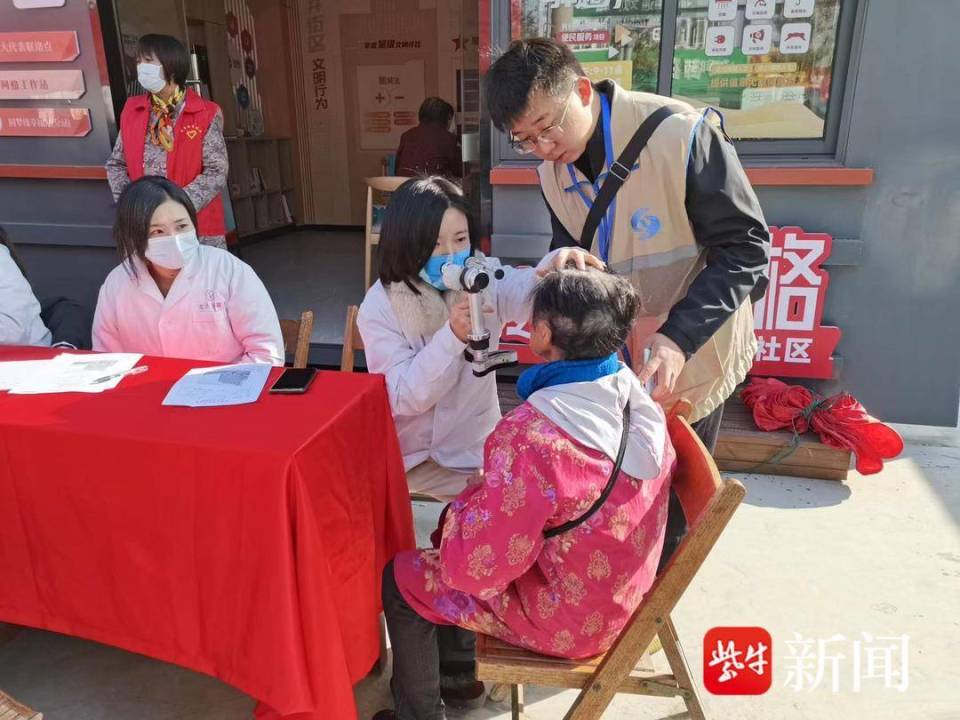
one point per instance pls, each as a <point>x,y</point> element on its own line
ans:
<point>380,185</point>
<point>352,342</point>
<point>296,337</point>
<point>10,709</point>
<point>709,502</point>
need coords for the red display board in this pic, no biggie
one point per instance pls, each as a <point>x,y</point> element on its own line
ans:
<point>792,341</point>
<point>584,37</point>
<point>44,122</point>
<point>41,84</point>
<point>47,46</point>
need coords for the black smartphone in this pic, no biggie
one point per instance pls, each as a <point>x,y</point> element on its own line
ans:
<point>294,380</point>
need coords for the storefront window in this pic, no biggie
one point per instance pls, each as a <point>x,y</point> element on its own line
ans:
<point>618,39</point>
<point>765,64</point>
<point>774,68</point>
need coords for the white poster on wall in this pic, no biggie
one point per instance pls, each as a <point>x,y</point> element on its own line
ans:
<point>720,40</point>
<point>795,38</point>
<point>719,10</point>
<point>797,8</point>
<point>756,39</point>
<point>389,97</point>
<point>760,9</point>
<point>36,4</point>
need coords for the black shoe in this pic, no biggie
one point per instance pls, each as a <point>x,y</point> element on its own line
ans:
<point>463,692</point>
<point>385,715</point>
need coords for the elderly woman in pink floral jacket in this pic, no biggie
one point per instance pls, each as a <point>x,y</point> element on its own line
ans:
<point>550,548</point>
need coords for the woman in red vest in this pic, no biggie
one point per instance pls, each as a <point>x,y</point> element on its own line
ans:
<point>174,133</point>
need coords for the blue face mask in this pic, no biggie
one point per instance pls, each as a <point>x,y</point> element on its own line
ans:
<point>431,272</point>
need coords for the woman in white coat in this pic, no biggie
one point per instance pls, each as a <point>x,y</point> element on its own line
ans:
<point>20,322</point>
<point>172,297</point>
<point>415,330</point>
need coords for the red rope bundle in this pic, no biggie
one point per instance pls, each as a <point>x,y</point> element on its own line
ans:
<point>840,420</point>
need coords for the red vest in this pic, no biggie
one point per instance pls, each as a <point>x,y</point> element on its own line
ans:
<point>185,161</point>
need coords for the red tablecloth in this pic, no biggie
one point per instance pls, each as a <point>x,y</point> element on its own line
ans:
<point>243,542</point>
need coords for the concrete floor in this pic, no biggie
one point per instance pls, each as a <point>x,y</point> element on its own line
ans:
<point>877,554</point>
<point>312,270</point>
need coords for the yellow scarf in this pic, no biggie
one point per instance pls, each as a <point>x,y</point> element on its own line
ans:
<point>160,131</point>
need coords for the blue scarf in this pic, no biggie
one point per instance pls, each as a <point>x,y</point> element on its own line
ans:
<point>562,372</point>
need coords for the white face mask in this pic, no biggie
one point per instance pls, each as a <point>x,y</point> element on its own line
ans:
<point>172,251</point>
<point>150,76</point>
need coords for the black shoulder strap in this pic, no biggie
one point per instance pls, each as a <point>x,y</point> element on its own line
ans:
<point>619,172</point>
<point>570,524</point>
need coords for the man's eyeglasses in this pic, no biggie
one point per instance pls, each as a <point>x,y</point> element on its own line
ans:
<point>546,137</point>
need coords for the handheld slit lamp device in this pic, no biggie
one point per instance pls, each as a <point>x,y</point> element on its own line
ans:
<point>473,278</point>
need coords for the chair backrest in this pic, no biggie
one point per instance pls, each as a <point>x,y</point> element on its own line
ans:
<point>385,183</point>
<point>296,337</point>
<point>696,479</point>
<point>11,709</point>
<point>709,502</point>
<point>351,340</point>
<point>382,184</point>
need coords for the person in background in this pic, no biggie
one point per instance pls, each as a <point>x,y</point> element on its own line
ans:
<point>171,296</point>
<point>20,321</point>
<point>555,545</point>
<point>174,133</point>
<point>430,148</point>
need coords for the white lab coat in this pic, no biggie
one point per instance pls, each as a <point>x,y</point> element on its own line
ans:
<point>217,309</point>
<point>20,322</point>
<point>441,410</point>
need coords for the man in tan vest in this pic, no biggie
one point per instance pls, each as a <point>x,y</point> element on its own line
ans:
<point>684,223</point>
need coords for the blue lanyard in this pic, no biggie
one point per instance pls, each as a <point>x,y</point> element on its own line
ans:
<point>605,230</point>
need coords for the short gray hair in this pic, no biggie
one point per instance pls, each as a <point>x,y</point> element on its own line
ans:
<point>590,312</point>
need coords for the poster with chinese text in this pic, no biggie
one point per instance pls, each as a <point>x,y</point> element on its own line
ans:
<point>389,97</point>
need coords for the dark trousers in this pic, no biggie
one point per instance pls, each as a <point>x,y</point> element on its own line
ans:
<point>707,429</point>
<point>68,321</point>
<point>419,646</point>
<point>458,651</point>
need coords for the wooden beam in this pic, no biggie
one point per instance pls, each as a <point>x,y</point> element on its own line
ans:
<point>53,172</point>
<point>809,176</point>
<point>759,176</point>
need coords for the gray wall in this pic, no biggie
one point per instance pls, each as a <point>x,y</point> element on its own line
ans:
<point>62,232</point>
<point>895,293</point>
<point>61,227</point>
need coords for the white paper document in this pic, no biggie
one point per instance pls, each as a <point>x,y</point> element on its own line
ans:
<point>17,371</point>
<point>218,386</point>
<point>76,373</point>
